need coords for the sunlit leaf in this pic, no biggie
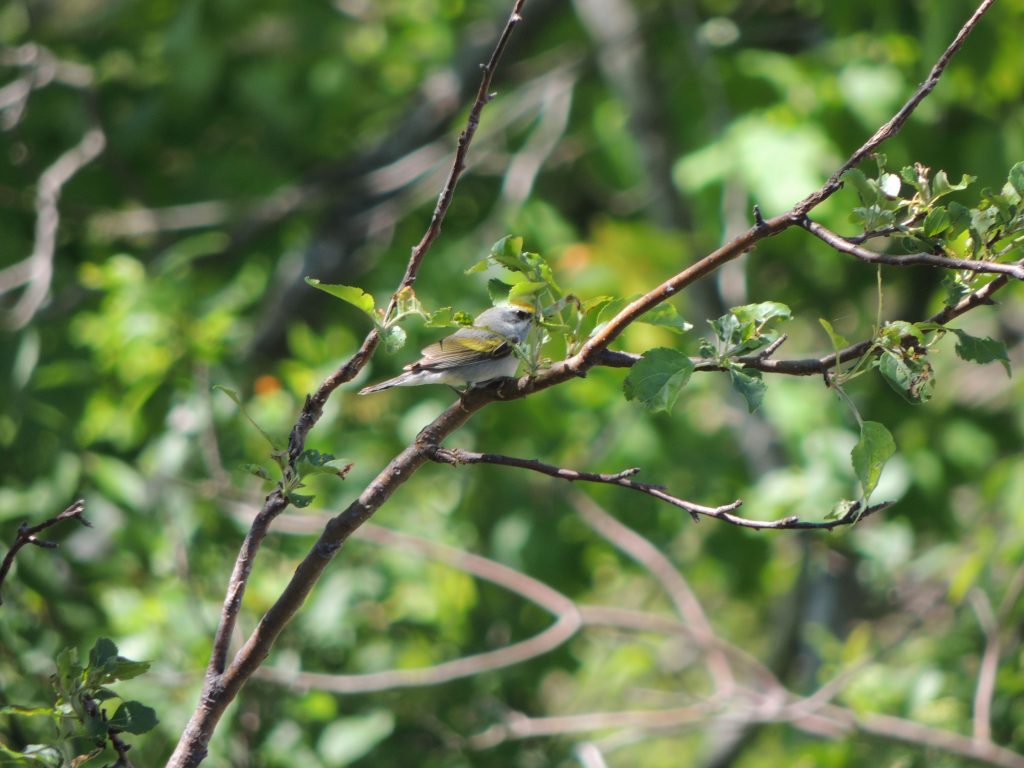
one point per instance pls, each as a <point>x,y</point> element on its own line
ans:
<point>750,385</point>
<point>981,349</point>
<point>350,294</point>
<point>657,378</point>
<point>874,448</point>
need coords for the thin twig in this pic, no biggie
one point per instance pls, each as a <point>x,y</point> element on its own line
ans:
<point>843,245</point>
<point>456,456</point>
<point>895,123</point>
<point>483,95</point>
<point>27,535</point>
<point>120,746</point>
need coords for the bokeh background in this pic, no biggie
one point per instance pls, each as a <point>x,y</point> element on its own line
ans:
<point>251,144</point>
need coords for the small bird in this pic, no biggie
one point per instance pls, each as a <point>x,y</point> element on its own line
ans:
<point>471,355</point>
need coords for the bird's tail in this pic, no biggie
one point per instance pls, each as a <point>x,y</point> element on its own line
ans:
<point>395,382</point>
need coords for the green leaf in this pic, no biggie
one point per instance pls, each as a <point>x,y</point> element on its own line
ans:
<point>258,470</point>
<point>498,290</point>
<point>506,252</point>
<point>936,222</point>
<point>14,709</point>
<point>874,448</point>
<point>133,717</point>
<point>749,327</point>
<point>103,651</point>
<point>941,185</point>
<point>346,740</point>
<point>763,312</point>
<point>312,462</point>
<point>657,378</point>
<point>238,401</point>
<point>480,266</point>
<point>866,191</point>
<point>838,342</point>
<point>841,509</point>
<point>69,672</point>
<point>955,289</point>
<point>36,755</point>
<point>446,317</point>
<point>889,185</point>
<point>911,377</point>
<point>1016,178</point>
<point>526,288</point>
<point>350,294</point>
<point>749,384</point>
<point>300,501</point>
<point>394,338</point>
<point>666,316</point>
<point>981,350</point>
<point>959,219</point>
<point>125,669</point>
<point>893,333</point>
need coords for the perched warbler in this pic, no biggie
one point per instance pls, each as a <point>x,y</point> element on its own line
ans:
<point>471,355</point>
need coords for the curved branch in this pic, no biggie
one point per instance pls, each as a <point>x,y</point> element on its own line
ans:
<point>567,624</point>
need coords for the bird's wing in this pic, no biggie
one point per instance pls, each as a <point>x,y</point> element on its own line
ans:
<point>462,347</point>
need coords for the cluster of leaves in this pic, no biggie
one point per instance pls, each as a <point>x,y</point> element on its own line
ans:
<point>657,379</point>
<point>912,205</point>
<point>310,462</point>
<point>83,713</point>
<point>516,277</point>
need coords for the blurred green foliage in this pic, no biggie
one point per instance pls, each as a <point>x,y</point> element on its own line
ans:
<point>252,144</point>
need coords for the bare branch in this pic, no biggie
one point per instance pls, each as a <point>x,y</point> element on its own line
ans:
<point>456,456</point>
<point>483,95</point>
<point>672,582</point>
<point>895,123</point>
<point>844,245</point>
<point>27,535</point>
<point>37,269</point>
<point>724,513</point>
<point>567,621</point>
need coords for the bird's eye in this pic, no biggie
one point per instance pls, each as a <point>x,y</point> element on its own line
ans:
<point>522,314</point>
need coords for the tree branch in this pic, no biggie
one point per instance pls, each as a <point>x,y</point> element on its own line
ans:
<point>456,456</point>
<point>27,535</point>
<point>222,682</point>
<point>36,270</point>
<point>844,245</point>
<point>221,687</point>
